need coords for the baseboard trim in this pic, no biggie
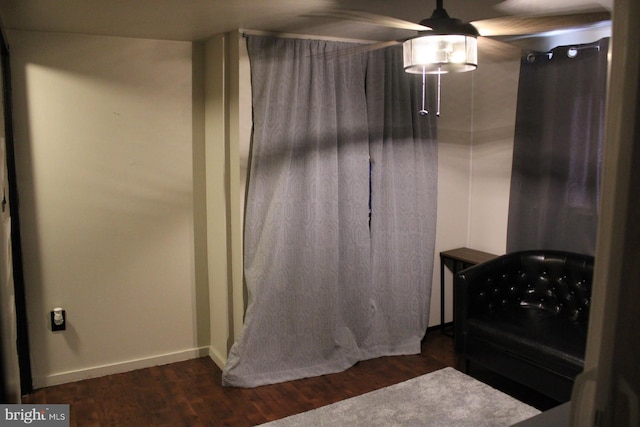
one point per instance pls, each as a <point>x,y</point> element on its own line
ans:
<point>217,358</point>
<point>118,368</point>
<point>440,326</point>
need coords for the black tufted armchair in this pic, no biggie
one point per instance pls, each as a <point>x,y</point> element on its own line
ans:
<point>525,315</point>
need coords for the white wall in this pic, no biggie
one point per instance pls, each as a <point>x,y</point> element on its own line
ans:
<point>103,131</point>
<point>495,91</point>
<point>475,148</point>
<point>216,194</point>
<point>454,168</point>
<point>227,126</point>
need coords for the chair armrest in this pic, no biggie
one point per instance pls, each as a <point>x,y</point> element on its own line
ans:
<point>481,289</point>
<point>488,286</point>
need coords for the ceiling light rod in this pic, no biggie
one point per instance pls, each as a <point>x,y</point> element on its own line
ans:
<point>438,96</point>
<point>423,111</point>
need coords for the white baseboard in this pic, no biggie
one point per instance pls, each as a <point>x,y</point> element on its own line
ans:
<point>118,368</point>
<point>217,358</point>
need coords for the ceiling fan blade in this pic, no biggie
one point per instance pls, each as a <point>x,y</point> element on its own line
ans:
<point>371,18</point>
<point>522,25</point>
<point>364,48</point>
<point>541,7</point>
<point>496,51</point>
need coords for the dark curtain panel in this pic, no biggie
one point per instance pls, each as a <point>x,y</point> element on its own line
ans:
<point>325,287</point>
<point>557,153</point>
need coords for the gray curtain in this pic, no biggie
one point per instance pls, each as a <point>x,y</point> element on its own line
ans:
<point>557,154</point>
<point>322,294</point>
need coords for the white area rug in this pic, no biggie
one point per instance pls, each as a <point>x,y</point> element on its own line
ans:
<point>445,398</point>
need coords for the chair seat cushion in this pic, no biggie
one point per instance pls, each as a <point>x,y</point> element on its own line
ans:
<point>543,337</point>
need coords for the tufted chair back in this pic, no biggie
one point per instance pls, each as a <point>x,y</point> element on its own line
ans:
<point>555,281</point>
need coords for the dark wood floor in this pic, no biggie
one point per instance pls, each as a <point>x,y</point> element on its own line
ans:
<point>190,393</point>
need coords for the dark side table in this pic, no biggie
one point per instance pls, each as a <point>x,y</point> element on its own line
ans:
<point>457,260</point>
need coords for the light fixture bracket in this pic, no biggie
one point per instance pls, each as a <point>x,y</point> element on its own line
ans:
<point>441,23</point>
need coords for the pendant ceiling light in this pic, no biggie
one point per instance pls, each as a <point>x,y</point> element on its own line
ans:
<point>450,46</point>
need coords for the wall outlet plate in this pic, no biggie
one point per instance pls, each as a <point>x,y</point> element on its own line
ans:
<point>62,326</point>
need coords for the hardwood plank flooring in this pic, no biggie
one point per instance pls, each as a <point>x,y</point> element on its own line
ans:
<point>190,393</point>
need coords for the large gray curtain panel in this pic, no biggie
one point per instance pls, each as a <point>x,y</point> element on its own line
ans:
<point>326,287</point>
<point>558,148</point>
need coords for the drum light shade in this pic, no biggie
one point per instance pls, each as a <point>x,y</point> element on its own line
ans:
<point>440,53</point>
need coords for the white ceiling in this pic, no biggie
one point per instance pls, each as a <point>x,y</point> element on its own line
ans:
<point>190,20</point>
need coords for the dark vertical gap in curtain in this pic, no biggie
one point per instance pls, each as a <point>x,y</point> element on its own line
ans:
<point>404,156</point>
<point>558,149</point>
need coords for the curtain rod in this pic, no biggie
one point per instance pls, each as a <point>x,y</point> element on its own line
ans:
<point>582,46</point>
<point>246,32</point>
<point>570,49</point>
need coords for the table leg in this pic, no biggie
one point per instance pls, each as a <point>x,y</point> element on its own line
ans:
<point>441,294</point>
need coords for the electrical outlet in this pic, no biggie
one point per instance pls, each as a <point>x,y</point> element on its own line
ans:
<point>58,323</point>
